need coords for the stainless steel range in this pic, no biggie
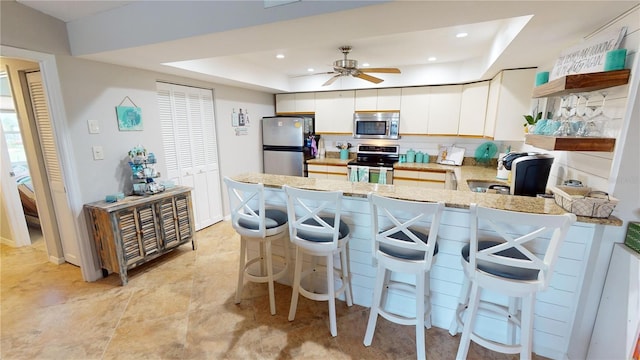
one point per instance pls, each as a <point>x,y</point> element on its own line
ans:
<point>374,164</point>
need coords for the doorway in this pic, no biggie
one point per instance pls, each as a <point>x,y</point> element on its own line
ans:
<point>16,165</point>
<point>50,207</point>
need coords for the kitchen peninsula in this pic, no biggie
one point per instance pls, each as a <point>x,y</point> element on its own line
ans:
<point>557,308</point>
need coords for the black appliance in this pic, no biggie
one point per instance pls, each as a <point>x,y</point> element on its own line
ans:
<point>529,172</point>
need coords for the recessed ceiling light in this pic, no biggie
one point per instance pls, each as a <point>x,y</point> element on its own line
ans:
<point>310,69</point>
<point>365,64</point>
<point>432,58</point>
<point>461,35</point>
<point>280,56</point>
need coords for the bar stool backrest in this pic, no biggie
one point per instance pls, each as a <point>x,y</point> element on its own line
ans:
<point>396,225</point>
<point>314,218</point>
<point>507,248</point>
<point>246,202</point>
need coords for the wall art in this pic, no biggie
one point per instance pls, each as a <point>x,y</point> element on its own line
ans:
<point>129,117</point>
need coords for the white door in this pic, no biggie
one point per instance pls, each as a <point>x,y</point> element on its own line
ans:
<point>63,213</point>
<point>189,141</point>
<point>9,191</point>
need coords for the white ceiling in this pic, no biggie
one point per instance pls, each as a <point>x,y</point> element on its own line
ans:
<point>235,42</point>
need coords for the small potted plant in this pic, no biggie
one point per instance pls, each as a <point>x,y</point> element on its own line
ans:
<point>531,121</point>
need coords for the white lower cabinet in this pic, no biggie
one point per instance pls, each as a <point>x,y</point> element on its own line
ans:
<point>336,172</point>
<point>317,171</point>
<point>432,179</point>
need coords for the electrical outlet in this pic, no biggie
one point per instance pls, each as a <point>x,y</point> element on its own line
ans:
<point>98,153</point>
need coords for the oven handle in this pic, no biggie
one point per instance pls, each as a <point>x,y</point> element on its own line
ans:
<point>371,168</point>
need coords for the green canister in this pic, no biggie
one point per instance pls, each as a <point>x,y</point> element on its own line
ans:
<point>411,156</point>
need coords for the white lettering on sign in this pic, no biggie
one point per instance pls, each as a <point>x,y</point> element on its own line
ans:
<point>589,56</point>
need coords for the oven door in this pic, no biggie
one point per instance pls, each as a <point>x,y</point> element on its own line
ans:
<point>370,174</point>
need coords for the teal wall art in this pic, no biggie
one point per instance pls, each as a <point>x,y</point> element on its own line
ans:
<point>129,117</point>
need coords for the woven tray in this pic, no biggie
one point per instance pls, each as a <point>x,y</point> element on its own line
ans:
<point>583,201</point>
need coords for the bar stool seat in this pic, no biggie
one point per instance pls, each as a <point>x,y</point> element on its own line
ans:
<point>506,264</point>
<point>404,241</point>
<point>254,222</point>
<point>505,271</point>
<point>321,236</point>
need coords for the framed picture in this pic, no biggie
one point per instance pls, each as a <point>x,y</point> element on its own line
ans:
<point>129,118</point>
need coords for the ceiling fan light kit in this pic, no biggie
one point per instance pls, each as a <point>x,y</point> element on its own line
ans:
<point>349,67</point>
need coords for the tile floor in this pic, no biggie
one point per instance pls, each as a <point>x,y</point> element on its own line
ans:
<point>181,306</point>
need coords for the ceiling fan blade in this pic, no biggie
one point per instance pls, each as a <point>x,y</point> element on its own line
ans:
<point>330,81</point>
<point>381,70</point>
<point>373,79</point>
<point>320,73</point>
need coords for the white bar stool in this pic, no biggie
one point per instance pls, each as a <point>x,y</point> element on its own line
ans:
<point>498,260</point>
<point>254,222</point>
<point>404,240</point>
<point>316,229</point>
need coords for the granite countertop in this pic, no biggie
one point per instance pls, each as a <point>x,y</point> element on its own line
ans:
<point>452,198</point>
<point>328,161</point>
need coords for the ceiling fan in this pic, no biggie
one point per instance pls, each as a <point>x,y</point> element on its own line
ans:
<point>348,67</point>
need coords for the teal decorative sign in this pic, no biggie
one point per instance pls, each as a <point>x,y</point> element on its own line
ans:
<point>129,118</point>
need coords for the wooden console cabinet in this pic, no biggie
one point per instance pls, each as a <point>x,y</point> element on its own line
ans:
<point>137,229</point>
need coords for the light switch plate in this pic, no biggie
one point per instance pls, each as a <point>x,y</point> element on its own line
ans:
<point>98,153</point>
<point>94,126</point>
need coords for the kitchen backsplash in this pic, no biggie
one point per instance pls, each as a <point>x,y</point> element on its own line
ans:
<point>426,144</point>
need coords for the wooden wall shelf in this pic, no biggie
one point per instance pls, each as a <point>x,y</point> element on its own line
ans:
<point>570,143</point>
<point>582,83</point>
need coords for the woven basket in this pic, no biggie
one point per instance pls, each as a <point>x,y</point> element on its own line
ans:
<point>583,201</point>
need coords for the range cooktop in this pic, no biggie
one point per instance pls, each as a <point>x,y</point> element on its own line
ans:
<point>376,155</point>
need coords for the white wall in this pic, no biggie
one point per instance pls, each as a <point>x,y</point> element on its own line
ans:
<point>91,91</point>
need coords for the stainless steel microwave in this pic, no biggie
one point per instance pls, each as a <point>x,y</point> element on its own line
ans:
<point>376,125</point>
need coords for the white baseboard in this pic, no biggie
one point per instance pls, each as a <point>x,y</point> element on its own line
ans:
<point>56,260</point>
<point>8,242</point>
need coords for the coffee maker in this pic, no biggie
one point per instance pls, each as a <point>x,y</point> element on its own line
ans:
<point>529,172</point>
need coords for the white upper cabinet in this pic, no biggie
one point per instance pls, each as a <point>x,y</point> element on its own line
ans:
<point>334,111</point>
<point>444,110</point>
<point>306,102</point>
<point>377,99</point>
<point>295,103</point>
<point>414,110</point>
<point>366,99</point>
<point>285,103</point>
<point>492,109</point>
<point>509,99</point>
<point>389,99</point>
<point>473,108</point>
<point>492,105</point>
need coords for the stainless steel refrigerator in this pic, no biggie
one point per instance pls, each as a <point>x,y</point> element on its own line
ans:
<point>286,144</point>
